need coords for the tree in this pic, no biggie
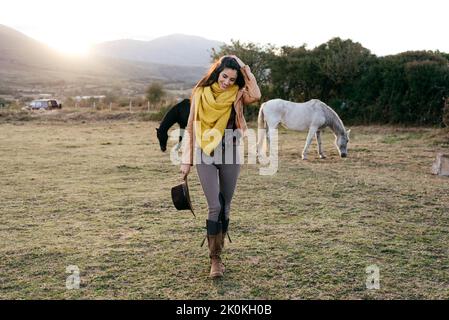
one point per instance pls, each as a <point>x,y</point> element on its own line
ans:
<point>413,84</point>
<point>3,103</point>
<point>257,57</point>
<point>340,62</point>
<point>406,88</point>
<point>155,93</point>
<point>294,74</point>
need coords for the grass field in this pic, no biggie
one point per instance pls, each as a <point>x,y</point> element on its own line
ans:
<point>97,195</point>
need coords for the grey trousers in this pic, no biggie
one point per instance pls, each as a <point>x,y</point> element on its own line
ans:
<point>218,177</point>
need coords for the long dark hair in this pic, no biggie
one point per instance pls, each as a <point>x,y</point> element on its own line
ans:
<point>215,69</point>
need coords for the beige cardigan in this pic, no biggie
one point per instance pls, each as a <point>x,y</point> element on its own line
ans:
<point>247,95</point>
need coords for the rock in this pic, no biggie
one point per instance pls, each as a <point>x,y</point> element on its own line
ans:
<point>441,165</point>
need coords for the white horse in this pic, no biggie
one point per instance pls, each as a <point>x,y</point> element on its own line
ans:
<point>312,115</point>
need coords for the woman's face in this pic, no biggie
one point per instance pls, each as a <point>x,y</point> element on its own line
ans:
<point>227,78</point>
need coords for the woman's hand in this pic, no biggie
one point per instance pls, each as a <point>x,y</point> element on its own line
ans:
<point>185,169</point>
<point>240,62</point>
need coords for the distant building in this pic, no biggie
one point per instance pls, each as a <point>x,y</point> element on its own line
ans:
<point>79,98</point>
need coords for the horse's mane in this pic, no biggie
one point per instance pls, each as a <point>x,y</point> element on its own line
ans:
<point>333,120</point>
<point>172,115</point>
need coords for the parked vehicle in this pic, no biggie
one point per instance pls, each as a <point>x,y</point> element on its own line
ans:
<point>45,104</point>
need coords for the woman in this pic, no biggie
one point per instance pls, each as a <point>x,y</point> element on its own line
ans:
<point>216,105</point>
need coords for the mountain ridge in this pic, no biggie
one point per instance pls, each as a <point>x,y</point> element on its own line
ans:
<point>175,49</point>
<point>26,60</point>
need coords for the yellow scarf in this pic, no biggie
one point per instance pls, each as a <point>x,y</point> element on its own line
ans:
<point>213,109</point>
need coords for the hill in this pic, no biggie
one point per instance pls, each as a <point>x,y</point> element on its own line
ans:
<point>175,49</point>
<point>25,61</point>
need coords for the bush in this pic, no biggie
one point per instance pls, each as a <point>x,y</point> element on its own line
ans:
<point>3,103</point>
<point>405,88</point>
<point>156,116</point>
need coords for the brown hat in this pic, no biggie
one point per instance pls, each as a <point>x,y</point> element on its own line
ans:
<point>180,196</point>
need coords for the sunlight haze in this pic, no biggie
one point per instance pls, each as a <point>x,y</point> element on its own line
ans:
<point>384,27</point>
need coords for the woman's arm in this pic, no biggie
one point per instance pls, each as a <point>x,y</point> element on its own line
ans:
<point>251,93</point>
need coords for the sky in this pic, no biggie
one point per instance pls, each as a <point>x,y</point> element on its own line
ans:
<point>383,26</point>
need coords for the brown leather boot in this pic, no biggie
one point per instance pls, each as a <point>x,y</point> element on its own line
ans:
<point>215,244</point>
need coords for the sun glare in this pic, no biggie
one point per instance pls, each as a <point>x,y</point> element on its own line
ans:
<point>67,42</point>
<point>73,48</point>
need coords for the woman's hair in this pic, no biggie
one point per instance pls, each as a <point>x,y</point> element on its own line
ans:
<point>214,71</point>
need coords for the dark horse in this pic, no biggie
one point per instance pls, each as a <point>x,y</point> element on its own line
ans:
<point>179,114</point>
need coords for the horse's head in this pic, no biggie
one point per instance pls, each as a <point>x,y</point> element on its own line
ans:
<point>162,137</point>
<point>341,141</point>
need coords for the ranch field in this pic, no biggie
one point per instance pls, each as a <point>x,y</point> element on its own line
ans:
<point>96,195</point>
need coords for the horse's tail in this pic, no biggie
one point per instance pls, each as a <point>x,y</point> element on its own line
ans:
<point>261,125</point>
<point>261,118</point>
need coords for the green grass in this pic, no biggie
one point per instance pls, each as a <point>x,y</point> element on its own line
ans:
<point>97,195</point>
<point>396,138</point>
